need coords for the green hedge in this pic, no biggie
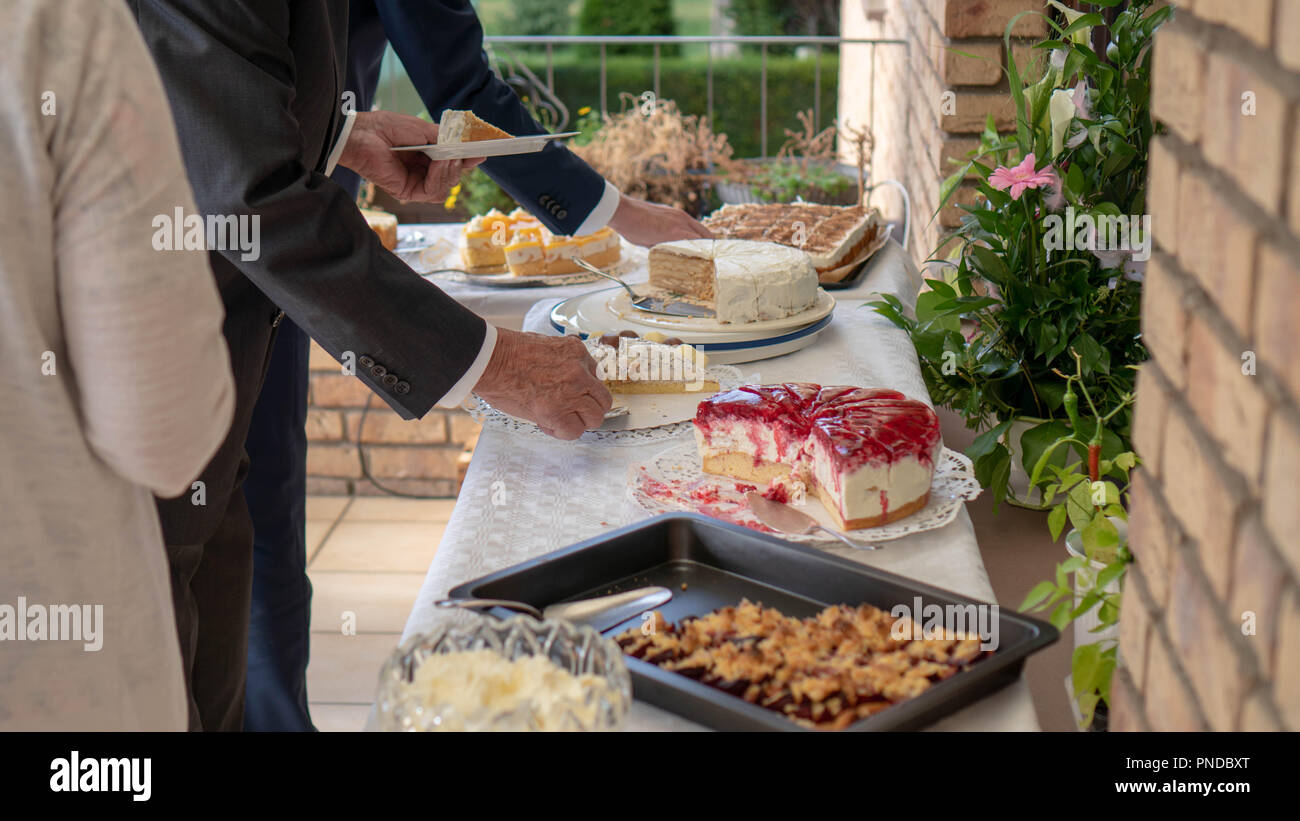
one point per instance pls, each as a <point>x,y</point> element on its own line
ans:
<point>736,84</point>
<point>683,79</point>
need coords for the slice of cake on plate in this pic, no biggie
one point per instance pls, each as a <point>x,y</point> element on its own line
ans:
<point>384,224</point>
<point>742,280</point>
<point>868,454</point>
<point>627,363</point>
<point>466,127</point>
<point>518,243</point>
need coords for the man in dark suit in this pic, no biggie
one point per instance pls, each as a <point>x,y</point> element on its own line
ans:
<point>256,90</point>
<point>440,45</point>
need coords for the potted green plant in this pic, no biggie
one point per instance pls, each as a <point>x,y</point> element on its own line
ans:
<point>1088,494</point>
<point>805,168</point>
<point>1023,287</point>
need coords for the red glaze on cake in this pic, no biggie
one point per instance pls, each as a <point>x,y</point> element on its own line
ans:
<point>868,453</point>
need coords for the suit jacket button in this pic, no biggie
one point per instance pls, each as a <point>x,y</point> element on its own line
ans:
<point>378,371</point>
<point>366,361</point>
<point>389,380</point>
<point>544,199</point>
<point>402,388</point>
<point>561,213</point>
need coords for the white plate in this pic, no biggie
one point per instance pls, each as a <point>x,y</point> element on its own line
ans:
<point>725,344</point>
<point>954,484</point>
<point>441,261</point>
<point>620,305</point>
<point>487,148</point>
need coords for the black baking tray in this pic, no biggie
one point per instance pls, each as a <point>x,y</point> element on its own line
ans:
<point>721,563</point>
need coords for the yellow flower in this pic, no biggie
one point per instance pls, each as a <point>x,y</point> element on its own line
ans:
<point>451,198</point>
<point>584,111</point>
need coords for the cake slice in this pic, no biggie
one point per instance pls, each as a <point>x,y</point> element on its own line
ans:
<point>384,224</point>
<point>466,127</point>
<point>627,364</point>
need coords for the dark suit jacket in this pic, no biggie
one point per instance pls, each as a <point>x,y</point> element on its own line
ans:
<point>440,43</point>
<point>256,92</point>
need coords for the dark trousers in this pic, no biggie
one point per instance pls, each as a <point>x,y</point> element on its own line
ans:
<point>276,489</point>
<point>209,534</point>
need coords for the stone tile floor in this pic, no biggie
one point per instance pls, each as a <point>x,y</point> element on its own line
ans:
<point>366,558</point>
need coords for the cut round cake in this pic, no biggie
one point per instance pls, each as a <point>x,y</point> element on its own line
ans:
<point>868,454</point>
<point>742,280</point>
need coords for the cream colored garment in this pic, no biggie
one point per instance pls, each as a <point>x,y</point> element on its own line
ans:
<point>140,395</point>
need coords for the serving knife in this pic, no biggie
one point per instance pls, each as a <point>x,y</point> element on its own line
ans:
<point>652,304</point>
<point>786,519</point>
<point>600,613</point>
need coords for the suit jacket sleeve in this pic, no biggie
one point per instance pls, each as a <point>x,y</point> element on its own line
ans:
<point>440,43</point>
<point>229,72</point>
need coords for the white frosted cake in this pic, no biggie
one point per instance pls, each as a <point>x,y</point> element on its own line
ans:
<point>742,280</point>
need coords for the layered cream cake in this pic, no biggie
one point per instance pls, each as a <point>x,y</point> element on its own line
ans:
<point>743,281</point>
<point>868,454</point>
<point>628,363</point>
<point>518,242</point>
<point>832,235</point>
<point>466,127</point>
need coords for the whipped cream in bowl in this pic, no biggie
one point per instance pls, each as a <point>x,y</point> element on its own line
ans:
<point>516,675</point>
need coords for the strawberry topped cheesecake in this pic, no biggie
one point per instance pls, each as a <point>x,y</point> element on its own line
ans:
<point>868,454</point>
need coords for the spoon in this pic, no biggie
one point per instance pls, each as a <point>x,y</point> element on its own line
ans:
<point>786,519</point>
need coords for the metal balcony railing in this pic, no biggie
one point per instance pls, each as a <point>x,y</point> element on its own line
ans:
<point>764,43</point>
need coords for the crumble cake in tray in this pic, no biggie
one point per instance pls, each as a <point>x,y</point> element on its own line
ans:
<point>824,672</point>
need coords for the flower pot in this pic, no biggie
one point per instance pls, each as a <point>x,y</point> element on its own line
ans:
<point>1083,581</point>
<point>1018,490</point>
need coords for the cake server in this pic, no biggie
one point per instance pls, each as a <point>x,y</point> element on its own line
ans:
<point>652,304</point>
<point>787,519</point>
<point>600,613</point>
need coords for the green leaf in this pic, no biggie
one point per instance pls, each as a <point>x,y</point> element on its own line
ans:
<point>1036,596</point>
<point>1035,441</point>
<point>985,443</point>
<point>1100,538</point>
<point>1056,522</point>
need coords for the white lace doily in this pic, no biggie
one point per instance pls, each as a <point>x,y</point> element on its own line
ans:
<point>679,483</point>
<point>668,415</point>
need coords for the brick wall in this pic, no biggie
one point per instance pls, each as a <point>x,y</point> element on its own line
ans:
<point>409,456</point>
<point>929,103</point>
<point>1210,623</point>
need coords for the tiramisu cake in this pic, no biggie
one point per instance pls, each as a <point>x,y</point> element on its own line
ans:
<point>466,127</point>
<point>742,281</point>
<point>517,242</point>
<point>834,236</point>
<point>868,454</point>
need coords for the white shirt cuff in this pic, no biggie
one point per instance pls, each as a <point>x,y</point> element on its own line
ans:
<point>461,389</point>
<point>337,151</point>
<point>602,213</point>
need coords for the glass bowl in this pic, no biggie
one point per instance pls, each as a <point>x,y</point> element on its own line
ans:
<point>402,707</point>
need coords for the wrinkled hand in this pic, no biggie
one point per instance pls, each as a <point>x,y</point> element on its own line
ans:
<point>407,175</point>
<point>648,223</point>
<point>547,379</point>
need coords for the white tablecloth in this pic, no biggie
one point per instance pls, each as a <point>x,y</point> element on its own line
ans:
<point>523,498</point>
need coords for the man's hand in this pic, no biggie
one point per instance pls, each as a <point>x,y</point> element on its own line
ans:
<point>548,379</point>
<point>648,223</point>
<point>407,175</point>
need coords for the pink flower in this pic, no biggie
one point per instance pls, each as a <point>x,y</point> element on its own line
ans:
<point>1021,177</point>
